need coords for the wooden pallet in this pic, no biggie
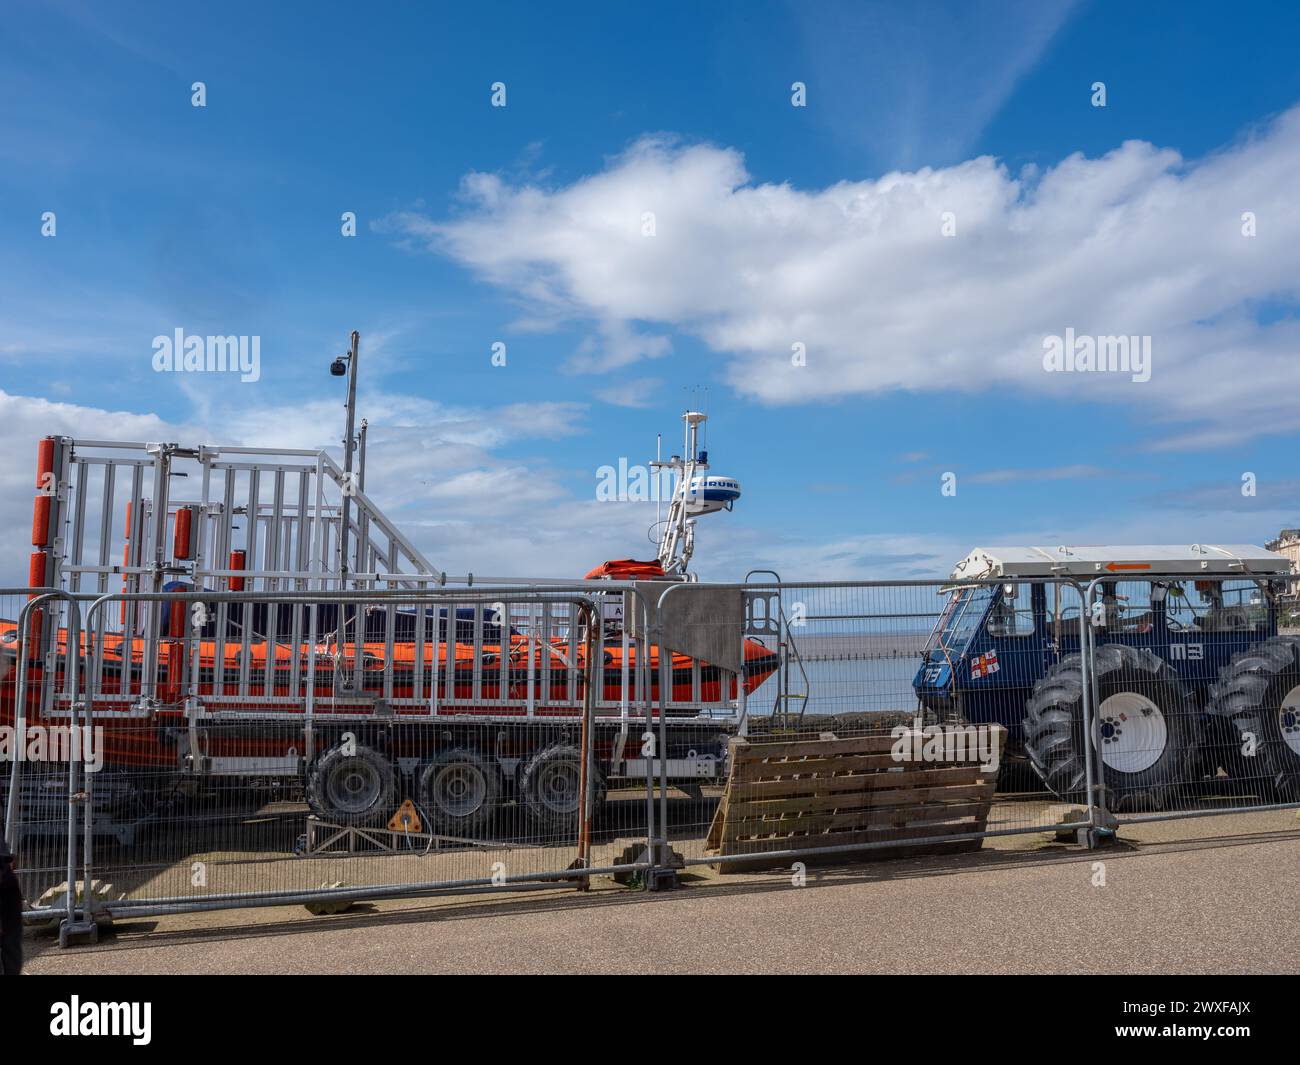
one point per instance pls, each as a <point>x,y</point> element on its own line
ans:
<point>827,792</point>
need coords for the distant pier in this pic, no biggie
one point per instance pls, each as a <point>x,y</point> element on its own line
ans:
<point>859,656</point>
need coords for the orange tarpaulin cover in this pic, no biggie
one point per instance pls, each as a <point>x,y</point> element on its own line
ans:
<point>626,569</point>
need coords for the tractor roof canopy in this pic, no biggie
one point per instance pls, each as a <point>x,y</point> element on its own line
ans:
<point>1126,561</point>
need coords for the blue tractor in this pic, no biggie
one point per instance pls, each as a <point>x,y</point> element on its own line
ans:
<point>1194,683</point>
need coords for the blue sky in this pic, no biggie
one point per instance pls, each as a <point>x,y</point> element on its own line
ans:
<point>775,224</point>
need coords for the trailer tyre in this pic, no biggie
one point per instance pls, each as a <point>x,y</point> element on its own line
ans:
<point>549,786</point>
<point>1145,729</point>
<point>351,785</point>
<point>460,791</point>
<point>1259,694</point>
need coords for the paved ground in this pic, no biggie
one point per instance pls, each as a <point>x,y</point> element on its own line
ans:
<point>1207,895</point>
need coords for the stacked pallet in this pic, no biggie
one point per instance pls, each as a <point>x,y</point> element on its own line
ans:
<point>801,794</point>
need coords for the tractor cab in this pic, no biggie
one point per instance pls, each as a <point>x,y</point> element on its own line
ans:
<point>1011,613</point>
<point>982,650</point>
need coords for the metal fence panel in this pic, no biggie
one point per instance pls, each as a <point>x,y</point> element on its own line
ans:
<point>41,784</point>
<point>216,784</point>
<point>1197,689</point>
<point>917,674</point>
<point>274,746</point>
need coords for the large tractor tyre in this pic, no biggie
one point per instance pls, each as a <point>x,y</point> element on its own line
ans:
<point>352,785</point>
<point>1145,728</point>
<point>1259,694</point>
<point>1016,774</point>
<point>460,792</point>
<point>550,788</point>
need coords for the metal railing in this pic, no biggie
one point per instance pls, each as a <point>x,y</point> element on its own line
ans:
<point>1197,695</point>
<point>867,649</point>
<point>510,736</point>
<point>191,790</point>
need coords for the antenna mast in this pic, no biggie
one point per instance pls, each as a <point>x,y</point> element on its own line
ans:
<point>693,495</point>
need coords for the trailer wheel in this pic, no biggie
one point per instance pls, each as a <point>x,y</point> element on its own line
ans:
<point>1145,728</point>
<point>351,786</point>
<point>1259,694</point>
<point>461,791</point>
<point>549,786</point>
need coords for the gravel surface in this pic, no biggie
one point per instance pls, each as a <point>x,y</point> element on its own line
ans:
<point>1208,895</point>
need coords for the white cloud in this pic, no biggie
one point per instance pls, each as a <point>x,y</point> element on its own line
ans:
<point>23,422</point>
<point>727,551</point>
<point>1078,471</point>
<point>438,472</point>
<point>1137,242</point>
<point>617,345</point>
<point>639,392</point>
<point>442,478</point>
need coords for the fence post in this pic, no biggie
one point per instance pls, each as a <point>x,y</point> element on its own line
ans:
<point>1094,771</point>
<point>586,783</point>
<point>642,681</point>
<point>84,928</point>
<point>663,873</point>
<point>665,663</point>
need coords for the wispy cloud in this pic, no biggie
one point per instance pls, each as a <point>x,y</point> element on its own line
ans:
<point>940,71</point>
<point>861,276</point>
<point>1055,473</point>
<point>617,344</point>
<point>441,472</point>
<point>640,392</point>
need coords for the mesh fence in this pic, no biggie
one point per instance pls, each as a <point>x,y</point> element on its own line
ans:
<point>1196,684</point>
<point>34,778</point>
<point>234,746</point>
<point>883,713</point>
<point>215,749</point>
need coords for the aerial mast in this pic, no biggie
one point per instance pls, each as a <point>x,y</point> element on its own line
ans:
<point>694,494</point>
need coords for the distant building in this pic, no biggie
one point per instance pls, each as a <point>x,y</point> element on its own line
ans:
<point>1288,544</point>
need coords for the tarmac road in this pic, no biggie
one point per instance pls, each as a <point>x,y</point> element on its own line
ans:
<point>1184,899</point>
